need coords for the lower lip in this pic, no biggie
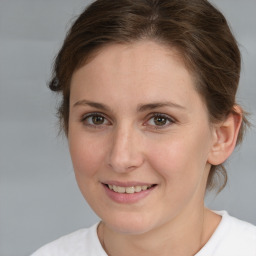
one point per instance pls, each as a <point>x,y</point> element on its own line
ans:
<point>126,198</point>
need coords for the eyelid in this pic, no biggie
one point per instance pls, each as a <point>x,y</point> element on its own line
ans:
<point>170,119</point>
<point>85,116</point>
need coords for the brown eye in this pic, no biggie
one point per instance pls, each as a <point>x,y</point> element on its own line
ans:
<point>97,120</point>
<point>94,120</point>
<point>159,120</point>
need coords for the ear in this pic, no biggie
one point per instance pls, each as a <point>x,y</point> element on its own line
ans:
<point>225,137</point>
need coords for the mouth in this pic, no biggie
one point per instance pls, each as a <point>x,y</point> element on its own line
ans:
<point>129,189</point>
<point>128,192</point>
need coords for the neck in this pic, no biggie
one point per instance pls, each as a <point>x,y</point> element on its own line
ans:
<point>185,235</point>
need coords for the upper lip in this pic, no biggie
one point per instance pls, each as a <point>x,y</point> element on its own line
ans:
<point>127,183</point>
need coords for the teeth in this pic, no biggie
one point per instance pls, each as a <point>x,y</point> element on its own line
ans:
<point>128,190</point>
<point>118,189</point>
<point>138,189</point>
<point>144,187</point>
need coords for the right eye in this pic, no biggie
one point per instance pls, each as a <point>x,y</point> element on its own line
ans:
<point>95,120</point>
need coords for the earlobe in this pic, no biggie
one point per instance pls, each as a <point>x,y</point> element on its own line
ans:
<point>225,137</point>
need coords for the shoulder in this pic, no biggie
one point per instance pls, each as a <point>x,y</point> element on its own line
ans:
<point>232,237</point>
<point>80,242</point>
<point>240,233</point>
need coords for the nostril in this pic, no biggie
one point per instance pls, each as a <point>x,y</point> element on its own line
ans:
<point>122,166</point>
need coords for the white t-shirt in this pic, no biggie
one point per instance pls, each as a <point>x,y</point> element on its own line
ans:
<point>232,237</point>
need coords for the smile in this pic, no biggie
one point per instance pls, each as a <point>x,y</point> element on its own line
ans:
<point>128,190</point>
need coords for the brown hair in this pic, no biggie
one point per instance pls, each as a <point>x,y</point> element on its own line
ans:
<point>196,29</point>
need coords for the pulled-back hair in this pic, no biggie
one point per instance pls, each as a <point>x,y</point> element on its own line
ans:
<point>195,28</point>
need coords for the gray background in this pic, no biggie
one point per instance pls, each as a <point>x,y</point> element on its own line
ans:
<point>39,199</point>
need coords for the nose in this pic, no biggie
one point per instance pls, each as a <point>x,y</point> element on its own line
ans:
<point>125,153</point>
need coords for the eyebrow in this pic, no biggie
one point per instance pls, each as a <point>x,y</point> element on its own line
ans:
<point>154,105</point>
<point>140,108</point>
<point>92,104</point>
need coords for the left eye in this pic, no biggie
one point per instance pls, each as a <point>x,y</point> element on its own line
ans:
<point>94,120</point>
<point>160,120</point>
<point>97,120</point>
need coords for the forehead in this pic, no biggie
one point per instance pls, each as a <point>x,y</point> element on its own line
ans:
<point>147,70</point>
<point>139,52</point>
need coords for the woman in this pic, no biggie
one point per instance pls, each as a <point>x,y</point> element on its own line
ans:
<point>150,115</point>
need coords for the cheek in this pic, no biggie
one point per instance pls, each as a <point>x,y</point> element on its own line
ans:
<point>179,160</point>
<point>87,155</point>
<point>181,165</point>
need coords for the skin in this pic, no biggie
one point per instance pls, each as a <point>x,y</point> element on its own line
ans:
<point>128,145</point>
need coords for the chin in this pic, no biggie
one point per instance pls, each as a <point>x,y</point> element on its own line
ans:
<point>129,224</point>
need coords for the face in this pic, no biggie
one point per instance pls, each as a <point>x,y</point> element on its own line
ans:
<point>139,137</point>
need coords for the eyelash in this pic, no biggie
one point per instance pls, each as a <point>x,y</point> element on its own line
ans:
<point>168,119</point>
<point>85,118</point>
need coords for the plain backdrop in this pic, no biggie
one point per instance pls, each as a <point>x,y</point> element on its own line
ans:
<point>39,198</point>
